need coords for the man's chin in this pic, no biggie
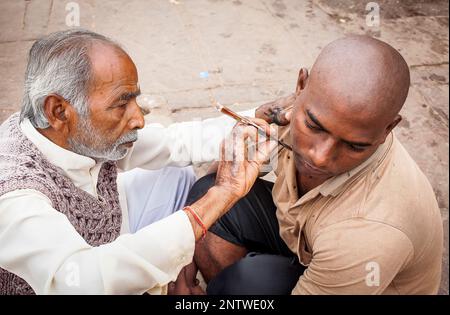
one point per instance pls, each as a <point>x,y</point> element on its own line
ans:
<point>119,153</point>
<point>305,168</point>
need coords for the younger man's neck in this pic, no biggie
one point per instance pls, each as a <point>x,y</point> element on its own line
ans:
<point>306,183</point>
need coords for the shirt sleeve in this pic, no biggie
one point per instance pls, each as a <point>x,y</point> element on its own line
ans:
<point>355,257</point>
<point>179,144</point>
<point>40,245</point>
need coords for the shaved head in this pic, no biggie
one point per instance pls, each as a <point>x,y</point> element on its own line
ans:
<point>369,76</point>
<point>346,107</point>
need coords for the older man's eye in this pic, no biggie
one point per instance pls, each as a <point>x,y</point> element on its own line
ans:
<point>121,105</point>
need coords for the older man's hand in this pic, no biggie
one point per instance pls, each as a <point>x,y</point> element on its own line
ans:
<point>242,154</point>
<point>279,110</point>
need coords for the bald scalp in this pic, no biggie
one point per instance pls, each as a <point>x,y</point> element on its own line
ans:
<point>368,77</point>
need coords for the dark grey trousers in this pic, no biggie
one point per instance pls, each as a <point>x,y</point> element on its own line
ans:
<point>269,267</point>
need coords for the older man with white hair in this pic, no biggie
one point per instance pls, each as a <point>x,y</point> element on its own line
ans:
<point>67,224</point>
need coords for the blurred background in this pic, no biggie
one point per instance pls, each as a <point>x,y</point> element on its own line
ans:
<point>243,53</point>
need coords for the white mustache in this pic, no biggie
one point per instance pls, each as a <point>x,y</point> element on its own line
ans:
<point>130,137</point>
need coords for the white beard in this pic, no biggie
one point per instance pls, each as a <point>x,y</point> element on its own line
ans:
<point>89,143</point>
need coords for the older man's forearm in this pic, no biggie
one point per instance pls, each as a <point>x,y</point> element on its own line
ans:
<point>210,208</point>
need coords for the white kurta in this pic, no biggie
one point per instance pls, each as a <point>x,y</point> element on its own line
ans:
<point>40,245</point>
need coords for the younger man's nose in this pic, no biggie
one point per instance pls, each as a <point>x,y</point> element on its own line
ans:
<point>322,154</point>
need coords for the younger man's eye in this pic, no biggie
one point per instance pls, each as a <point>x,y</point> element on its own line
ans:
<point>315,128</point>
<point>356,148</point>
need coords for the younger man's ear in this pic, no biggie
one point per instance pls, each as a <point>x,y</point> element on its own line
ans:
<point>57,111</point>
<point>392,125</point>
<point>301,81</point>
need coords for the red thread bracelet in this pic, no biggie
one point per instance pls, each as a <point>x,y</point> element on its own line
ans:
<point>197,219</point>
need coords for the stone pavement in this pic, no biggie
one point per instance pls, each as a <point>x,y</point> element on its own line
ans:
<point>245,52</point>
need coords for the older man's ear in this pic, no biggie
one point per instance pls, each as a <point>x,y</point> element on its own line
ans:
<point>58,112</point>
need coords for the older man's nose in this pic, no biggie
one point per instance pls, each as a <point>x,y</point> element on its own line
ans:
<point>137,119</point>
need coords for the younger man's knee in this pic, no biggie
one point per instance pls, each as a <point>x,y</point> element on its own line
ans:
<point>257,274</point>
<point>234,280</point>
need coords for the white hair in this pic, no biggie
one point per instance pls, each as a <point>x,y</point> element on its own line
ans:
<point>59,64</point>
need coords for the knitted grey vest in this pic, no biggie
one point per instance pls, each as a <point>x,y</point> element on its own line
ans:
<point>22,166</point>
